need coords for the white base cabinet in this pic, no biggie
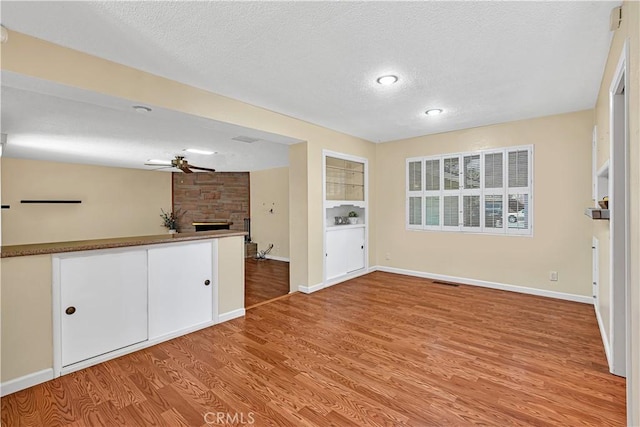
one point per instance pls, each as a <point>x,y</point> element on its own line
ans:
<point>103,304</point>
<point>108,300</point>
<point>344,251</point>
<point>180,287</point>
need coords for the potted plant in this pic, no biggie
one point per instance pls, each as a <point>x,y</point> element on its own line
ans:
<point>353,217</point>
<point>169,220</point>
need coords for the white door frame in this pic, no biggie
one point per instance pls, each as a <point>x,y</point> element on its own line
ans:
<point>619,225</point>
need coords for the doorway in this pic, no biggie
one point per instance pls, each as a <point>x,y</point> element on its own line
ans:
<point>619,204</point>
<point>265,279</point>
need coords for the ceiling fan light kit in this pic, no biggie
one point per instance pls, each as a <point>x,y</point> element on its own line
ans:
<point>179,163</point>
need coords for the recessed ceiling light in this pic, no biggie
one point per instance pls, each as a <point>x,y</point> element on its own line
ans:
<point>387,80</point>
<point>196,151</point>
<point>141,109</point>
<point>433,112</point>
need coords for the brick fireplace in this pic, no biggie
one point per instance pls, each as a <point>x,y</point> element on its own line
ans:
<point>209,197</point>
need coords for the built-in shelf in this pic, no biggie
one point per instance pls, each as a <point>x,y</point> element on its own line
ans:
<point>344,226</point>
<point>52,201</point>
<point>595,213</point>
<point>6,206</point>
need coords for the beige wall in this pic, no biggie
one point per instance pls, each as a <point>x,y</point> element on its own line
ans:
<point>270,210</point>
<point>116,202</point>
<point>27,335</point>
<point>562,183</point>
<point>298,223</point>
<point>230,274</point>
<point>629,32</point>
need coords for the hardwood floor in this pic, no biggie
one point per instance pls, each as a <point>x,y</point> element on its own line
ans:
<point>264,280</point>
<point>382,349</point>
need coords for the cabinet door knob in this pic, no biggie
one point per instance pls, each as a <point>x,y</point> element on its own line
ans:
<point>207,282</point>
<point>70,310</point>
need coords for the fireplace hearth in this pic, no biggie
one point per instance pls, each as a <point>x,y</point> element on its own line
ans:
<point>215,224</point>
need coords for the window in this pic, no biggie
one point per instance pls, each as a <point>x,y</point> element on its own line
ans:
<point>481,192</point>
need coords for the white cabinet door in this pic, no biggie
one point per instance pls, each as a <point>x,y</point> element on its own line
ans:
<point>180,287</point>
<point>345,251</point>
<point>354,244</point>
<point>104,303</point>
<point>336,256</point>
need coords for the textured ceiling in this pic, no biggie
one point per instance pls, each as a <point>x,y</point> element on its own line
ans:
<point>482,62</point>
<point>45,121</point>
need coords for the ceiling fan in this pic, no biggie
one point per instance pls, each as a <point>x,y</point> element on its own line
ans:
<point>180,163</point>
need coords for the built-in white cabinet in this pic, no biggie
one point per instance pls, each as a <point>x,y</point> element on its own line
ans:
<point>113,301</point>
<point>103,304</point>
<point>345,216</point>
<point>180,287</point>
<point>345,250</point>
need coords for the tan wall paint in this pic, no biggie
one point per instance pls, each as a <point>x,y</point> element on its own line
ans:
<point>270,190</point>
<point>299,219</point>
<point>230,274</point>
<point>27,335</point>
<point>116,202</point>
<point>630,32</point>
<point>34,57</point>
<point>562,182</point>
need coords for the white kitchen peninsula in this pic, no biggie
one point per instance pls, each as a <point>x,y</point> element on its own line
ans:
<point>69,305</point>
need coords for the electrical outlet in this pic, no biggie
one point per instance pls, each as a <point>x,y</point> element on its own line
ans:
<point>553,276</point>
<point>387,256</point>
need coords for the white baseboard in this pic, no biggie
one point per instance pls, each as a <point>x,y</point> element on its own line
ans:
<point>310,289</point>
<point>603,334</point>
<point>277,258</point>
<point>336,280</point>
<point>492,285</point>
<point>230,315</point>
<point>26,381</point>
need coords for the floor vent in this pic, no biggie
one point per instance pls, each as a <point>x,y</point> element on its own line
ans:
<point>439,282</point>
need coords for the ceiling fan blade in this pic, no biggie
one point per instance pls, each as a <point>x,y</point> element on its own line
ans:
<point>185,169</point>
<point>157,169</point>
<point>166,165</point>
<point>202,169</point>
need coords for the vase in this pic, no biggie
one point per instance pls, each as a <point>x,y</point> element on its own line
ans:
<point>353,220</point>
<point>172,231</point>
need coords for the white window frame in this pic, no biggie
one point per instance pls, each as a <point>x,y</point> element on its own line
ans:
<point>503,191</point>
<point>414,194</point>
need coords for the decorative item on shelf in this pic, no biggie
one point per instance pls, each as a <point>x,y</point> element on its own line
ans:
<point>353,217</point>
<point>341,220</point>
<point>604,203</point>
<point>170,220</point>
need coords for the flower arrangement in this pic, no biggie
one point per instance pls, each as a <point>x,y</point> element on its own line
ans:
<point>169,220</point>
<point>353,214</point>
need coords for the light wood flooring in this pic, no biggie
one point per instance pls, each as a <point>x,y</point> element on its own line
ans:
<point>264,280</point>
<point>382,349</point>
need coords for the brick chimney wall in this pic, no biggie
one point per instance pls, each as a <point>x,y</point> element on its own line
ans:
<point>205,196</point>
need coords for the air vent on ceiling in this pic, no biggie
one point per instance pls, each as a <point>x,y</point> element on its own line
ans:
<point>246,139</point>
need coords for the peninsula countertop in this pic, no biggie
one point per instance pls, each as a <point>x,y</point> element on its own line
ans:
<point>117,242</point>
